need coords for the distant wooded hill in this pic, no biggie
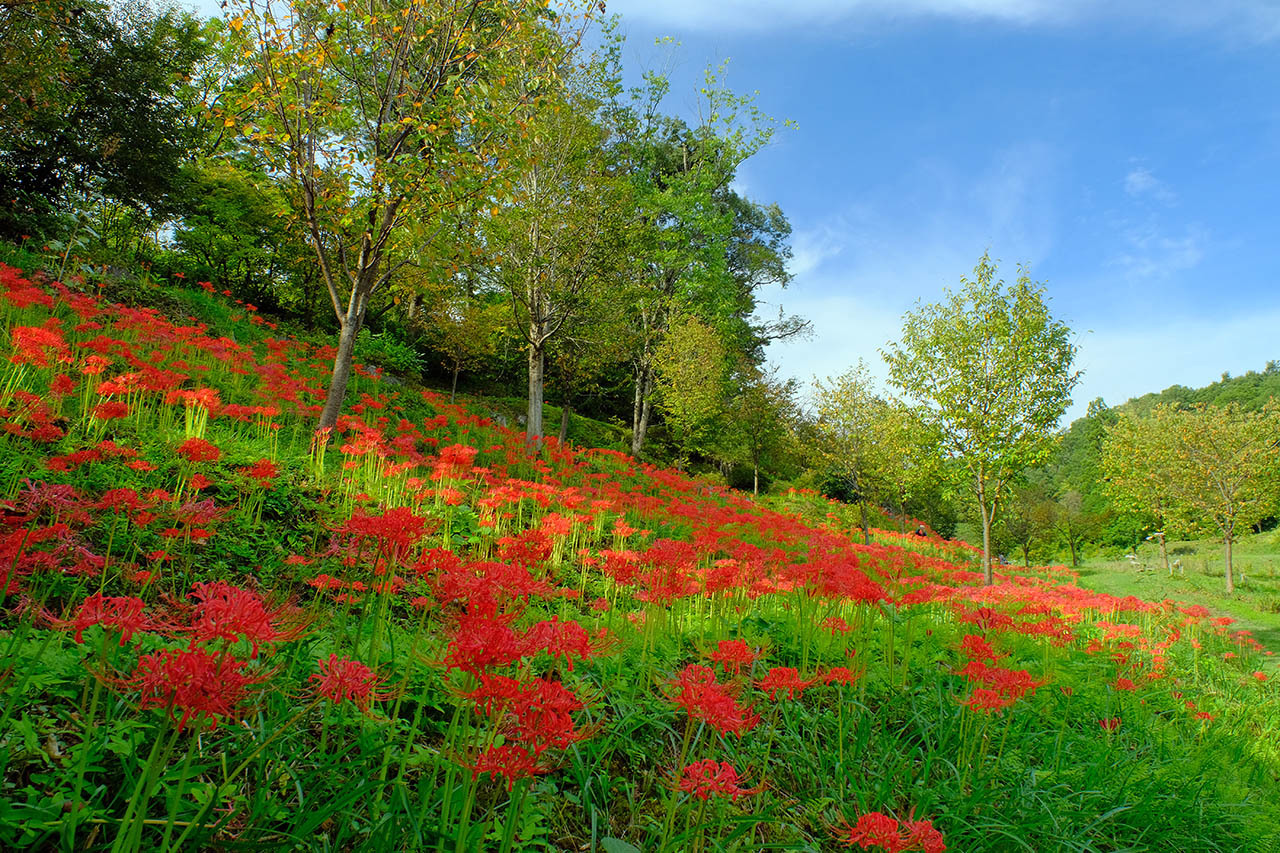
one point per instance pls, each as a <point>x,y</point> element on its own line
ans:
<point>1250,390</point>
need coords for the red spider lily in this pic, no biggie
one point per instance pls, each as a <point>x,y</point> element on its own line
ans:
<point>191,683</point>
<point>263,472</point>
<point>538,714</point>
<point>733,655</point>
<point>396,531</point>
<point>225,612</point>
<point>986,700</point>
<point>1124,684</point>
<point>566,640</point>
<point>976,648</point>
<point>785,678</point>
<point>705,700</point>
<point>119,613</point>
<point>1110,724</point>
<point>199,450</point>
<point>342,679</point>
<point>1009,682</point>
<point>841,675</point>
<point>508,760</point>
<point>876,830</point>
<point>836,625</point>
<point>707,777</point>
<point>32,344</point>
<point>483,641</point>
<point>110,410</point>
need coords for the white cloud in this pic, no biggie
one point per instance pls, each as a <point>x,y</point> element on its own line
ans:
<point>1251,19</point>
<point>1141,183</point>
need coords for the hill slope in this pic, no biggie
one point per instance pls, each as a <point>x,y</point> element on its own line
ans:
<point>222,632</point>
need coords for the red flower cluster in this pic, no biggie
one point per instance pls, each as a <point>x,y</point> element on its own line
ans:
<point>733,655</point>
<point>1000,687</point>
<point>704,778</point>
<point>226,612</point>
<point>123,614</point>
<point>707,701</point>
<point>785,678</point>
<point>190,684</point>
<point>880,831</point>
<point>199,450</point>
<point>342,679</point>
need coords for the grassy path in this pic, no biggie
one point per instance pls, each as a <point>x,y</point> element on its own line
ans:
<point>1255,605</point>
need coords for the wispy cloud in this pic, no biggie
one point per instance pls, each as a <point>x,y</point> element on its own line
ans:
<point>862,267</point>
<point>1254,19</point>
<point>1150,252</point>
<point>1141,183</point>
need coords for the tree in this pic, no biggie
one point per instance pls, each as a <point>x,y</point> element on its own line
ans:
<point>90,108</point>
<point>1028,517</point>
<point>378,114</point>
<point>558,235</point>
<point>1073,522</point>
<point>1217,466</point>
<point>1137,470</point>
<point>692,367</point>
<point>697,247</point>
<point>906,455</point>
<point>846,428</point>
<point>991,371</point>
<point>761,420</point>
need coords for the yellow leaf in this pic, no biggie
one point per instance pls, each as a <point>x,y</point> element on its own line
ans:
<point>236,23</point>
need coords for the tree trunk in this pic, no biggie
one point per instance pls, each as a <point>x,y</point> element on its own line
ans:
<point>640,411</point>
<point>1231,582</point>
<point>866,528</point>
<point>987,576</point>
<point>902,509</point>
<point>1071,544</point>
<point>1026,555</point>
<point>533,429</point>
<point>1164,551</point>
<point>564,422</point>
<point>755,481</point>
<point>342,361</point>
<point>453,389</point>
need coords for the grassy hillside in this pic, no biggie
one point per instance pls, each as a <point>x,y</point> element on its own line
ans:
<point>221,631</point>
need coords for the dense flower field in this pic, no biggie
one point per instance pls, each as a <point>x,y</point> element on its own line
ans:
<point>223,631</point>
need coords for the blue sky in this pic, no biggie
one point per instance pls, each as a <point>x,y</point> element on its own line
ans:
<point>1128,153</point>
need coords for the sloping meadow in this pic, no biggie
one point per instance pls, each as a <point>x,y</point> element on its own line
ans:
<point>222,631</point>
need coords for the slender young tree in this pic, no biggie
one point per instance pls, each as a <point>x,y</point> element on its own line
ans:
<point>846,425</point>
<point>991,372</point>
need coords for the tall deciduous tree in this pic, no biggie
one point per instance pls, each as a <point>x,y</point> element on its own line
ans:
<point>558,235</point>
<point>991,371</point>
<point>379,113</point>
